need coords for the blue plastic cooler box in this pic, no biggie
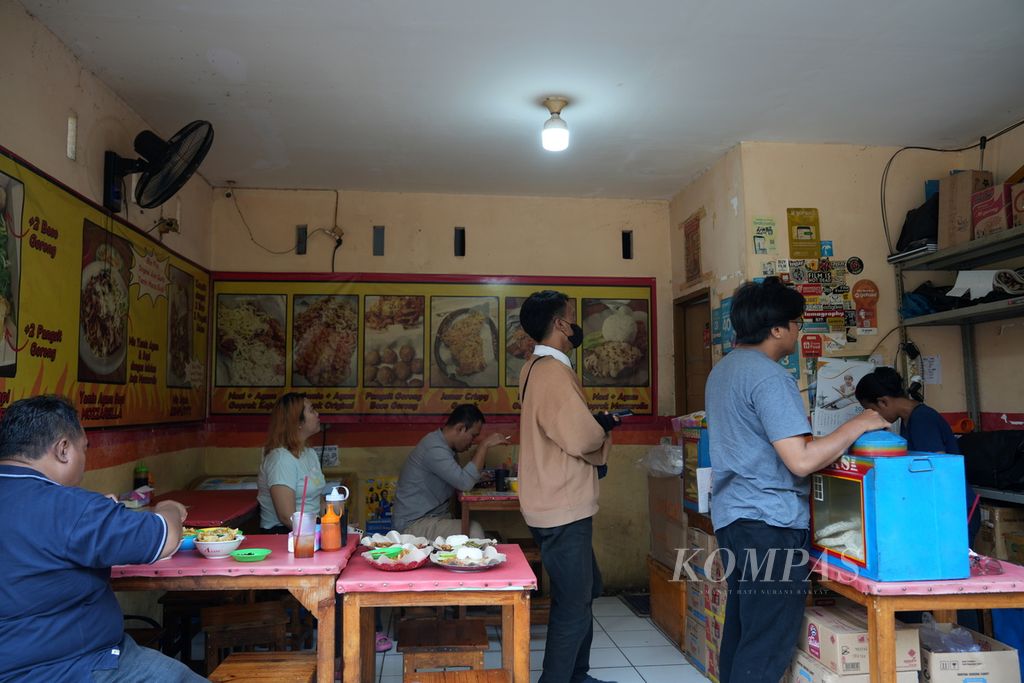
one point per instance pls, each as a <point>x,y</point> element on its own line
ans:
<point>892,518</point>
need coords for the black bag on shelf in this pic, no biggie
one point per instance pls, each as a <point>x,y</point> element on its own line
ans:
<point>921,225</point>
<point>994,459</point>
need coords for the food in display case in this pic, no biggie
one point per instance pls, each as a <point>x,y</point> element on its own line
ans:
<point>325,337</point>
<point>250,340</point>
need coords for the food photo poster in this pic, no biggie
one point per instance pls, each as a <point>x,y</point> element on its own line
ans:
<point>95,309</point>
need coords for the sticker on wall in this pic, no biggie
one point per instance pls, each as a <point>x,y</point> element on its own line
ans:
<point>764,235</point>
<point>782,266</point>
<point>865,302</point>
<point>804,233</point>
<point>826,248</point>
<point>727,332</point>
<point>855,265</point>
<point>931,369</point>
<point>768,268</point>
<point>792,365</point>
<point>835,341</point>
<point>811,346</point>
<point>716,325</point>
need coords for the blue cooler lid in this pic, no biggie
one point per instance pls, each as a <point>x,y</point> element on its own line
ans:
<point>880,443</point>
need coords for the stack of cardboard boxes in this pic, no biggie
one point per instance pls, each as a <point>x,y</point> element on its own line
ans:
<point>706,595</point>
<point>1002,533</point>
<point>971,206</point>
<point>668,537</point>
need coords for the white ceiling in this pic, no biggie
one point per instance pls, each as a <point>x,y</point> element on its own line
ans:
<point>444,95</point>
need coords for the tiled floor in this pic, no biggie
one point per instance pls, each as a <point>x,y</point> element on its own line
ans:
<point>626,649</point>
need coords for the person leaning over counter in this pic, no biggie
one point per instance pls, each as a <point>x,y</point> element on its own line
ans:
<point>760,461</point>
<point>431,474</point>
<point>287,464</point>
<point>59,619</point>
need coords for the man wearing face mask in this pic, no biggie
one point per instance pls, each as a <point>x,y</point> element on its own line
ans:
<point>562,446</point>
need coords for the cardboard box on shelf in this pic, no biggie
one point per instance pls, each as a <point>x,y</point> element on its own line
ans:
<point>955,205</point>
<point>695,596</point>
<point>1014,541</point>
<point>996,522</point>
<point>839,639</point>
<point>805,669</point>
<point>698,545</point>
<point>991,211</point>
<point>1017,204</point>
<point>668,537</point>
<point>665,498</point>
<point>996,663</point>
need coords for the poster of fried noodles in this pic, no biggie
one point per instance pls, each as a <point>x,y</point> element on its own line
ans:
<point>103,313</point>
<point>12,202</point>
<point>250,340</point>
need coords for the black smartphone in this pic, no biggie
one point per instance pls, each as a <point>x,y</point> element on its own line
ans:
<point>622,412</point>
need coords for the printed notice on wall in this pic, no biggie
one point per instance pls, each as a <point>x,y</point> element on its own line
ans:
<point>931,369</point>
<point>804,233</point>
<point>764,235</point>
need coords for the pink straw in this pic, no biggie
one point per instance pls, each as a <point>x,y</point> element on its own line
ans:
<point>302,508</point>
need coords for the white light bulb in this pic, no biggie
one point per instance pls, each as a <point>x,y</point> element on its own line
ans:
<point>555,136</point>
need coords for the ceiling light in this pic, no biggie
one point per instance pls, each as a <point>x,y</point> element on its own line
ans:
<point>555,136</point>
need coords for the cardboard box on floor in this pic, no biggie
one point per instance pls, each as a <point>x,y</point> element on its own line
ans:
<point>996,522</point>
<point>806,669</point>
<point>996,663</point>
<point>955,205</point>
<point>838,638</point>
<point>696,647</point>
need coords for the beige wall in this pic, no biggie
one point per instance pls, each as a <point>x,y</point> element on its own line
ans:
<point>46,84</point>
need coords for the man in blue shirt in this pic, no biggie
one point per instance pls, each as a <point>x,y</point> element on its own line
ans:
<point>760,459</point>
<point>59,619</point>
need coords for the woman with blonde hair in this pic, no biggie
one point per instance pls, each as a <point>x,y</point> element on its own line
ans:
<point>287,463</point>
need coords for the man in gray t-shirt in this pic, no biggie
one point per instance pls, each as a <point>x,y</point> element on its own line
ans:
<point>760,460</point>
<point>432,473</point>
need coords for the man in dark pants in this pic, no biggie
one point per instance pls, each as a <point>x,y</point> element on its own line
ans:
<point>760,460</point>
<point>562,446</point>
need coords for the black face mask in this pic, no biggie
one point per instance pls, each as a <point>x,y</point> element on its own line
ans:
<point>576,338</point>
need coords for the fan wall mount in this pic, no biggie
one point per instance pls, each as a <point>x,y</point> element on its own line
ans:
<point>165,165</point>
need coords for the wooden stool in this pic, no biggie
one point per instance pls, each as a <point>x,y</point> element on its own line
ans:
<point>181,608</point>
<point>229,626</point>
<point>482,676</point>
<point>435,644</point>
<point>280,667</point>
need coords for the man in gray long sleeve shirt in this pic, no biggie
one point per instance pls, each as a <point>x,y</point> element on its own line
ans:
<point>432,473</point>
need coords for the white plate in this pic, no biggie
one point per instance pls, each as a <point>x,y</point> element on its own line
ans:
<point>98,364</point>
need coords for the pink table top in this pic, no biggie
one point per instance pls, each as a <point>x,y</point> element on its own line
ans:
<point>487,494</point>
<point>361,577</point>
<point>1010,581</point>
<point>213,508</point>
<point>280,561</point>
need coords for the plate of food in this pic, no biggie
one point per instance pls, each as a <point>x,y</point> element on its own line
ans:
<point>397,558</point>
<point>325,337</point>
<point>466,348</point>
<point>250,340</point>
<point>456,541</point>
<point>393,538</point>
<point>615,343</point>
<point>467,559</point>
<point>103,329</point>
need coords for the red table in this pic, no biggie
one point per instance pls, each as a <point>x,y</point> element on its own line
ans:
<point>364,588</point>
<point>311,581</point>
<point>214,508</point>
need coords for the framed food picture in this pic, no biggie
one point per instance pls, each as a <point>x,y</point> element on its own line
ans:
<point>180,296</point>
<point>103,310</point>
<point>519,345</point>
<point>12,202</point>
<point>616,342</point>
<point>325,340</point>
<point>250,342</point>
<point>464,341</point>
<point>393,341</point>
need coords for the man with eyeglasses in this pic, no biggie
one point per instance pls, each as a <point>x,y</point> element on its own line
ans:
<point>761,459</point>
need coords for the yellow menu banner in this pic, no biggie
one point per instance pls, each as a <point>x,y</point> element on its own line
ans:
<point>96,310</point>
<point>382,345</point>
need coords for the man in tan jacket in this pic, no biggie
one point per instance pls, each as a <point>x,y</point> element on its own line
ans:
<point>562,445</point>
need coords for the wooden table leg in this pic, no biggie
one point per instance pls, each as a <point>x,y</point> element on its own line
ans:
<point>320,600</point>
<point>881,640</point>
<point>351,662</point>
<point>367,622</point>
<point>521,638</point>
<point>465,518</point>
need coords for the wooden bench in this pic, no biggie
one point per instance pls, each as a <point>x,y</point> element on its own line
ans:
<point>482,676</point>
<point>435,644</point>
<point>280,667</point>
<point>231,626</point>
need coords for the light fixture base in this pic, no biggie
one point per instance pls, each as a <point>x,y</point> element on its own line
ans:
<point>555,104</point>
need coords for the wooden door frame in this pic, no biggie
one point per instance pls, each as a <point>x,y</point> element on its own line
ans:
<point>679,305</point>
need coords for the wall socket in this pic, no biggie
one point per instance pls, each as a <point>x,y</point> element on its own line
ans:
<point>300,239</point>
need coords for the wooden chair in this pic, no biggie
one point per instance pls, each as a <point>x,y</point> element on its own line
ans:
<point>279,667</point>
<point>231,626</point>
<point>181,611</point>
<point>482,676</point>
<point>435,644</point>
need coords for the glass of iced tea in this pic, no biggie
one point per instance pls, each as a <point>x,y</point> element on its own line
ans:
<point>303,533</point>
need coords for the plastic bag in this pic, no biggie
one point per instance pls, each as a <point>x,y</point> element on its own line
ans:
<point>663,461</point>
<point>956,639</point>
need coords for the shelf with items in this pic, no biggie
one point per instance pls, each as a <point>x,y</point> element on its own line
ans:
<point>980,252</point>
<point>997,494</point>
<point>980,313</point>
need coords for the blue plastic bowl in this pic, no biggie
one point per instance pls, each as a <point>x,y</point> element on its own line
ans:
<point>187,543</point>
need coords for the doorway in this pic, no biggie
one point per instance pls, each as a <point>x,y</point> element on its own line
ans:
<point>691,319</point>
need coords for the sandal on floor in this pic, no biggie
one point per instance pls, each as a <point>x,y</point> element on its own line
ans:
<point>383,644</point>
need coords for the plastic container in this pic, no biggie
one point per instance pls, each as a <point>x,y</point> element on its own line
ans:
<point>336,500</point>
<point>140,477</point>
<point>330,531</point>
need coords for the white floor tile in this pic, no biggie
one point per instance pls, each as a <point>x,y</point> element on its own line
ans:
<point>598,626</point>
<point>494,645</point>
<point>626,674</point>
<point>390,679</point>
<point>602,639</point>
<point>392,665</point>
<point>671,674</point>
<point>536,660</point>
<point>653,656</point>
<point>612,624</point>
<point>535,676</point>
<point>611,607</point>
<point>538,643</point>
<point>607,657</point>
<point>492,660</point>
<point>639,638</point>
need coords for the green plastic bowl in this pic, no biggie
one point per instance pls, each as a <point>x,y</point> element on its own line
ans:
<point>251,554</point>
